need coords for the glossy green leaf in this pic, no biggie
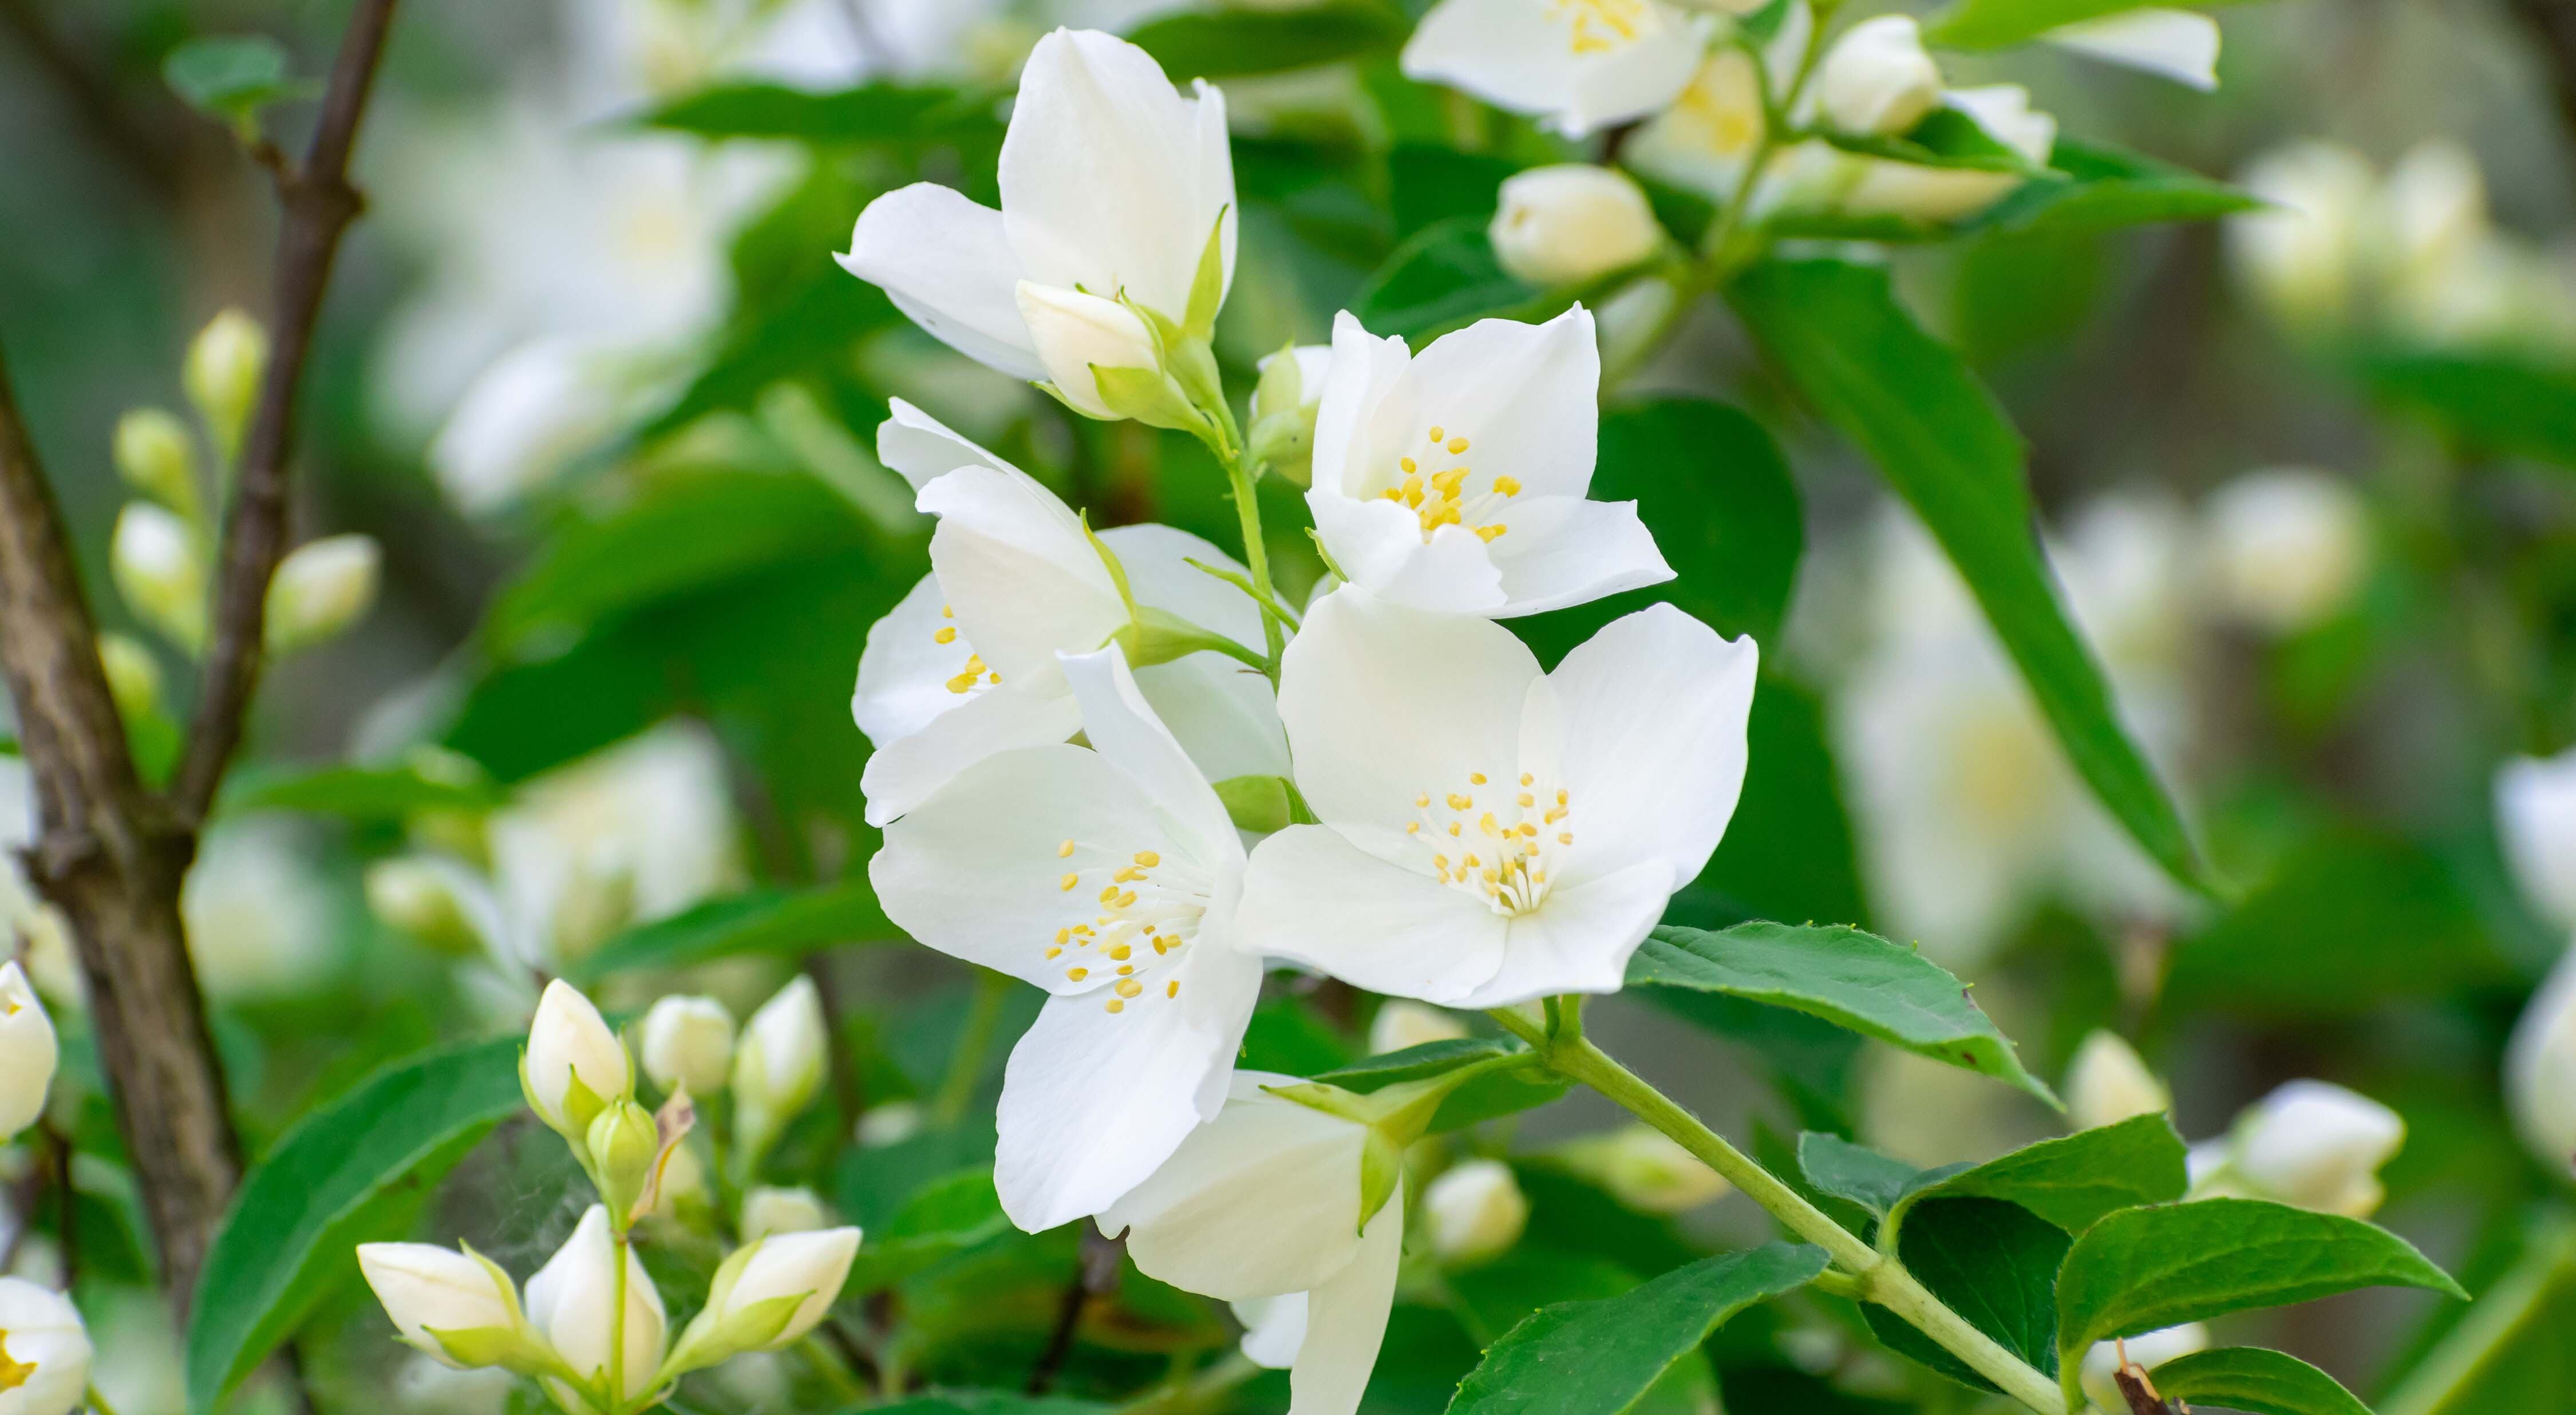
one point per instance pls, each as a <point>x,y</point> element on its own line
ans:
<point>1443,276</point>
<point>1994,24</point>
<point>874,113</point>
<point>2075,1180</point>
<point>2141,1269</point>
<point>1850,978</point>
<point>1936,433</point>
<point>2100,188</point>
<point>946,1218</point>
<point>764,921</point>
<point>1484,1098</point>
<point>1874,1181</point>
<point>1232,42</point>
<point>1948,138</point>
<point>1993,1263</point>
<point>359,792</point>
<point>288,1238</point>
<point>2500,402</point>
<point>2252,1379</point>
<point>229,77</point>
<point>1599,1358</point>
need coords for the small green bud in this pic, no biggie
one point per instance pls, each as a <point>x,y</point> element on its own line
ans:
<point>320,590</point>
<point>133,676</point>
<point>222,375</point>
<point>623,1146</point>
<point>154,456</point>
<point>154,560</point>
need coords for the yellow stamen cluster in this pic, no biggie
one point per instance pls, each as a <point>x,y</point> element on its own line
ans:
<point>13,1372</point>
<point>975,670</point>
<point>1134,909</point>
<point>1440,498</point>
<point>1503,850</point>
<point>1598,26</point>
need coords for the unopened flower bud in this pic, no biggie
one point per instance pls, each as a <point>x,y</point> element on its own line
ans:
<point>222,375</point>
<point>2108,1083</point>
<point>154,560</point>
<point>2287,547</point>
<point>1081,337</point>
<point>1284,403</point>
<point>154,456</point>
<point>1569,223</point>
<point>425,898</point>
<point>2536,822</point>
<point>321,589</point>
<point>1646,1170</point>
<point>1877,79</point>
<point>574,1067</point>
<point>688,1042</point>
<point>889,1124</point>
<point>2147,1351</point>
<point>2540,1071</point>
<point>29,1052</point>
<point>572,1301</point>
<point>2315,1145</point>
<point>133,676</point>
<point>47,1350</point>
<point>622,1146</point>
<point>767,1212</point>
<point>458,1308</point>
<point>768,1294</point>
<point>1476,1209</point>
<point>1400,1024</point>
<point>778,1066</point>
<point>2301,252</point>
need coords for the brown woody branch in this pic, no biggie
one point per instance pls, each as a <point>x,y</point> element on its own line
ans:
<point>2553,24</point>
<point>111,853</point>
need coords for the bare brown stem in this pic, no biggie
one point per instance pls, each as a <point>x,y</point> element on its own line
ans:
<point>2553,24</point>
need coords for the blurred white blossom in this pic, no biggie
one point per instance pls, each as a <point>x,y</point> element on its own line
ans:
<point>2108,1082</point>
<point>2540,1071</point>
<point>2309,1143</point>
<point>1474,1210</point>
<point>1572,222</point>
<point>2535,804</point>
<point>2286,547</point>
<point>261,918</point>
<point>1581,65</point>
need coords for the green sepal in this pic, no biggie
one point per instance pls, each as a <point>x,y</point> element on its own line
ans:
<point>582,1105</point>
<point>1109,561</point>
<point>1207,287</point>
<point>1145,395</point>
<point>1255,803</point>
<point>1381,1170</point>
<point>512,1349</point>
<point>1155,636</point>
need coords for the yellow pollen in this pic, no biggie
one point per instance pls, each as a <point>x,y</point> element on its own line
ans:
<point>1064,851</point>
<point>1068,882</point>
<point>1121,952</point>
<point>1526,778</point>
<point>1485,823</point>
<point>1528,829</point>
<point>1109,894</point>
<point>1125,969</point>
<point>1488,533</point>
<point>965,681</point>
<point>1408,464</point>
<point>1148,858</point>
<point>1158,948</point>
<point>1063,937</point>
<point>1421,801</point>
<point>1526,799</point>
<point>1505,486</point>
<point>1126,873</point>
<point>1413,827</point>
<point>1172,988</point>
<point>947,613</point>
<point>1555,814</point>
<point>1077,974</point>
<point>1453,827</point>
<point>1457,445</point>
<point>996,677</point>
<point>1470,863</point>
<point>1460,803</point>
<point>947,635</point>
<point>1129,987</point>
<point>1126,899</point>
<point>1116,1006</point>
<point>1439,433</point>
<point>1476,778</point>
<point>1565,837</point>
<point>1082,928</point>
<point>1055,953</point>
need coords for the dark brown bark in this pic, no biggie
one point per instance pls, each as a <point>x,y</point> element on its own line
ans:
<point>2553,24</point>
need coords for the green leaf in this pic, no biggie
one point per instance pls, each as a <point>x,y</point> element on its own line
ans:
<point>1993,1263</point>
<point>2100,188</point>
<point>1443,276</point>
<point>1855,1172</point>
<point>2074,1181</point>
<point>1852,979</point>
<point>359,792</point>
<point>762,921</point>
<point>1788,853</point>
<point>229,77</point>
<point>289,1235</point>
<point>2499,402</point>
<point>1946,138</point>
<point>2142,1269</point>
<point>1599,1358</point>
<point>1996,24</point>
<point>1484,1098</point>
<point>1233,42</point>
<point>1938,436</point>
<point>946,1218</point>
<point>2252,1379</point>
<point>875,113</point>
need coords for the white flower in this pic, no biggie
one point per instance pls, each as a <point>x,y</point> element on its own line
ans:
<point>778,1068</point>
<point>434,900</point>
<point>2148,1350</point>
<point>2308,1143</point>
<point>1712,130</point>
<point>1112,185</point>
<point>769,1211</point>
<point>1455,481</point>
<point>29,1053</point>
<point>890,1123</point>
<point>1261,1207</point>
<point>1079,335</point>
<point>1491,833</point>
<point>2535,803</point>
<point>1580,64</point>
<point>1108,877</point>
<point>1400,1024</point>
<point>2181,45</point>
<point>1572,222</point>
<point>23,915</point>
<point>2287,546</point>
<point>320,589</point>
<point>222,374</point>
<point>44,1348</point>
<point>2107,1083</point>
<point>456,1307</point>
<point>688,1042</point>
<point>2301,252</point>
<point>161,574</point>
<point>768,1293</point>
<point>1877,79</point>
<point>1647,1170</point>
<point>574,1067</point>
<point>261,921</point>
<point>965,666</point>
<point>523,419</point>
<point>2540,1071</point>
<point>572,1301</point>
<point>1475,1209</point>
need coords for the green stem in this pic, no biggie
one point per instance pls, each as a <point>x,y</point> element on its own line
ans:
<point>1880,1278</point>
<point>2502,1313</point>
<point>1256,554</point>
<point>617,1316</point>
<point>957,1089</point>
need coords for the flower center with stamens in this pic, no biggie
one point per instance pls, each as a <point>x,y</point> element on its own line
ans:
<point>973,673</point>
<point>1441,490</point>
<point>1598,26</point>
<point>1134,913</point>
<point>1500,843</point>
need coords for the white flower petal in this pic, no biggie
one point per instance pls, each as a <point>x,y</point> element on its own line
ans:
<point>1579,938</point>
<point>1124,731</point>
<point>946,263</point>
<point>1312,897</point>
<point>1563,550</point>
<point>1159,571</point>
<point>976,871</point>
<point>2536,821</point>
<point>1526,395</point>
<point>1273,1329</point>
<point>905,670</point>
<point>1363,386</point>
<point>1346,1321</point>
<point>1223,713</point>
<point>1384,703</point>
<point>1025,581</point>
<point>1508,52</point>
<point>1653,711</point>
<point>2181,45</point>
<point>1109,178</point>
<point>921,448</point>
<point>904,772</point>
<point>1094,1101</point>
<point>1638,80</point>
<point>1379,543</point>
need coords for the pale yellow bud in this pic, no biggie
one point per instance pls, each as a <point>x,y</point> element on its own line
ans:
<point>1877,79</point>
<point>222,375</point>
<point>1475,1209</point>
<point>1570,223</point>
<point>2108,1083</point>
<point>321,589</point>
<point>767,1211</point>
<point>154,456</point>
<point>153,558</point>
<point>133,676</point>
<point>688,1042</point>
<point>1400,1024</point>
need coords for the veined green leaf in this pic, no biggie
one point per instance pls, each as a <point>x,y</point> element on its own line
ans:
<point>1852,979</point>
<point>1993,1263</point>
<point>325,1189</point>
<point>1874,1181</point>
<point>2252,1379</point>
<point>2099,188</point>
<point>894,113</point>
<point>1836,331</point>
<point>1232,42</point>
<point>770,921</point>
<point>1484,1098</point>
<point>1598,1358</point>
<point>2141,1269</point>
<point>2073,1181</point>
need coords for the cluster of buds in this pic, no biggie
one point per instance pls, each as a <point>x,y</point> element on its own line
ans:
<point>593,1329</point>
